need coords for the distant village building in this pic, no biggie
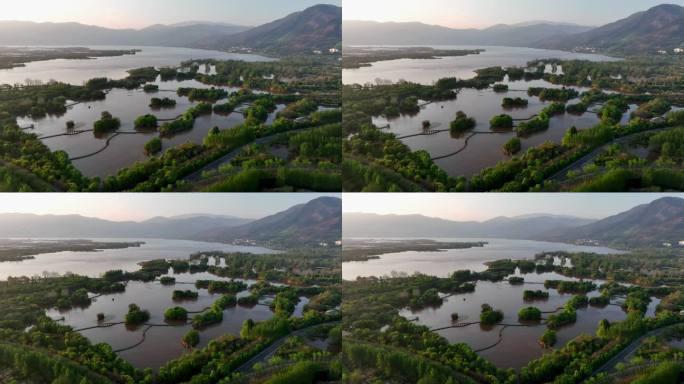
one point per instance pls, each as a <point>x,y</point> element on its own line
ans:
<point>338,243</point>
<point>679,50</point>
<point>681,243</point>
<point>662,52</point>
<point>333,50</point>
<point>668,245</point>
<point>317,52</point>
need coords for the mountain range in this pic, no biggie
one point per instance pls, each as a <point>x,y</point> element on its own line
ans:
<point>661,221</point>
<point>658,28</point>
<point>652,224</point>
<point>177,35</point>
<point>316,221</point>
<point>315,28</point>
<point>319,220</point>
<point>414,33</point>
<point>522,227</point>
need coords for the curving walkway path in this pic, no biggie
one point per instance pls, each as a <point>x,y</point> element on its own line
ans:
<point>109,140</point>
<point>628,351</point>
<point>144,333</point>
<point>465,144</point>
<point>72,133</point>
<point>271,349</point>
<point>584,160</point>
<point>227,158</point>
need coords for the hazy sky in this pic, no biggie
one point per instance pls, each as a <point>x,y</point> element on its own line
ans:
<point>140,206</point>
<point>483,206</point>
<point>484,13</point>
<point>142,13</point>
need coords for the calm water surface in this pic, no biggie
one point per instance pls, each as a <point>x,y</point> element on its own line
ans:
<point>125,149</point>
<point>429,71</point>
<point>79,71</point>
<point>485,149</point>
<point>93,264</point>
<point>127,105</point>
<point>161,343</point>
<point>442,264</point>
<point>519,345</point>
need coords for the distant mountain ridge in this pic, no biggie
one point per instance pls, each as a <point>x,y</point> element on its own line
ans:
<point>178,35</point>
<point>525,227</point>
<point>307,224</point>
<point>661,221</point>
<point>319,220</point>
<point>658,28</point>
<point>30,225</point>
<point>414,33</point>
<point>316,28</point>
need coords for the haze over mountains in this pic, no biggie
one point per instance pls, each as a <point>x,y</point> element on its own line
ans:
<point>660,27</point>
<point>648,224</point>
<point>177,35</point>
<point>317,27</point>
<point>661,221</point>
<point>522,227</point>
<point>311,223</point>
<point>316,221</point>
<point>414,33</point>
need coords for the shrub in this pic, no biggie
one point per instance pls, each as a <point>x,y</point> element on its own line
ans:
<point>529,314</point>
<point>176,314</point>
<point>462,123</point>
<point>191,339</point>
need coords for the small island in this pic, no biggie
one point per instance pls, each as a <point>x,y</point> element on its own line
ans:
<point>364,250</point>
<point>24,249</point>
<point>13,57</point>
<point>356,57</point>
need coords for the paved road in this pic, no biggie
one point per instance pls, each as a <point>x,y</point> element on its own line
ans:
<point>628,351</point>
<point>227,158</point>
<point>584,160</point>
<point>269,351</point>
<point>31,178</point>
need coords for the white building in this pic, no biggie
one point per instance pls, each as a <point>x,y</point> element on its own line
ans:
<point>333,50</point>
<point>679,50</point>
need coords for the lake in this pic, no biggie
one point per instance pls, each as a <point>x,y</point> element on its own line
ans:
<point>444,263</point>
<point>161,344</point>
<point>463,67</point>
<point>93,264</point>
<point>122,150</point>
<point>79,71</point>
<point>518,344</point>
<point>483,150</point>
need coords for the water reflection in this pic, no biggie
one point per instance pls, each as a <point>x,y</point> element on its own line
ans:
<point>483,150</point>
<point>93,264</point>
<point>463,67</point>
<point>161,343</point>
<point>518,344</point>
<point>443,263</point>
<point>77,72</point>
